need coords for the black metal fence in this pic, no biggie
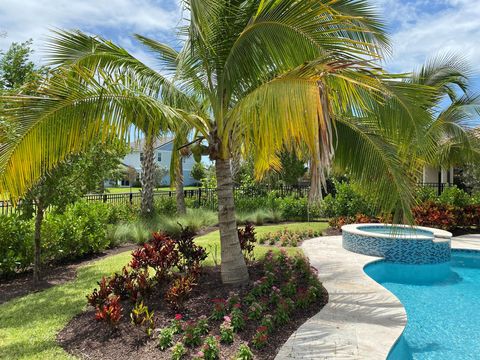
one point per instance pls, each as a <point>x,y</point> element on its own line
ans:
<point>201,197</point>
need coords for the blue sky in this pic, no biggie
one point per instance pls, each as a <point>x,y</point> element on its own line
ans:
<point>419,28</point>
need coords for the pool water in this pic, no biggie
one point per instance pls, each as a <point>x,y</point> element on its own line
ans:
<point>395,230</point>
<point>442,303</point>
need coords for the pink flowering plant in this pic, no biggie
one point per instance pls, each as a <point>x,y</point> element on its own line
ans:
<point>268,322</point>
<point>177,323</point>
<point>226,331</point>
<point>255,311</point>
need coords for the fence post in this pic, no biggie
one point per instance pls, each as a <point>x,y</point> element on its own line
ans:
<point>104,198</point>
<point>199,192</point>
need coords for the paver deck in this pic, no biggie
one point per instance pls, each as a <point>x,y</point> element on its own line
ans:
<point>362,319</point>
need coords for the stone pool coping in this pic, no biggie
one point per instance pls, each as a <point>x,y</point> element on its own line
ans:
<point>437,233</point>
<point>362,319</point>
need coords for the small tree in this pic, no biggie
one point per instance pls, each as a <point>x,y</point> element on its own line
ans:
<point>160,173</point>
<point>198,171</point>
<point>16,68</point>
<point>293,168</point>
<point>65,184</point>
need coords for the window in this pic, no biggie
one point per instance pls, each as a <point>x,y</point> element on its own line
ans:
<point>159,156</point>
<point>141,156</point>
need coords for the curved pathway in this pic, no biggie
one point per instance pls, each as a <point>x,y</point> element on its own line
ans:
<point>362,319</point>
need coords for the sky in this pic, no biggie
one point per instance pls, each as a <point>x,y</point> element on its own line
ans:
<point>418,28</point>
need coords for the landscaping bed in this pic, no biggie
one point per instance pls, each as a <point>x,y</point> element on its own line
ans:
<point>132,317</point>
<point>95,340</point>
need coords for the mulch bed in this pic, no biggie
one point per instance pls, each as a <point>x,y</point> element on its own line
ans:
<point>52,274</point>
<point>90,339</point>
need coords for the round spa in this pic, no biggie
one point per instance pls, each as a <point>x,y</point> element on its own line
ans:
<point>398,243</point>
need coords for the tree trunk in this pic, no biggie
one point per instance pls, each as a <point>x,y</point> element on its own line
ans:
<point>37,249</point>
<point>181,208</point>
<point>148,177</point>
<point>234,270</point>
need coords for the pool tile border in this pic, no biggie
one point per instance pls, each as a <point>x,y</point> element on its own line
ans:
<point>362,319</point>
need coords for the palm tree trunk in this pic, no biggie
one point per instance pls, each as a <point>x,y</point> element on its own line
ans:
<point>37,246</point>
<point>234,270</point>
<point>181,208</point>
<point>148,177</point>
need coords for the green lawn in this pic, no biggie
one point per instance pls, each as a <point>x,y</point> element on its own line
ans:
<point>28,325</point>
<point>117,190</point>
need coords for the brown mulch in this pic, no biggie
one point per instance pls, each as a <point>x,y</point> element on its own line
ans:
<point>89,339</point>
<point>53,274</point>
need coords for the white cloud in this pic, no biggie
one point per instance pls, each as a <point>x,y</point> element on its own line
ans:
<point>429,27</point>
<point>24,19</point>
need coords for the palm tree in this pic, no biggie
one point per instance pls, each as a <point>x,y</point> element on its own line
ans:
<point>257,75</point>
<point>454,110</point>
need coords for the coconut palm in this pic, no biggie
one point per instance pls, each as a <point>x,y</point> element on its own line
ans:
<point>454,110</point>
<point>256,75</point>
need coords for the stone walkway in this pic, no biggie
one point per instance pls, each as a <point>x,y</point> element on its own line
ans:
<point>362,319</point>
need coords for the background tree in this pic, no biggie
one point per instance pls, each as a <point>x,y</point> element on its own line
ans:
<point>16,68</point>
<point>198,171</point>
<point>160,173</point>
<point>292,168</point>
<point>67,183</point>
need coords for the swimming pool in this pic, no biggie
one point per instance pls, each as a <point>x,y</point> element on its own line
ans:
<point>442,305</point>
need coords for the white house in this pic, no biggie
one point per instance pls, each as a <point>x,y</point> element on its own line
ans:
<point>163,153</point>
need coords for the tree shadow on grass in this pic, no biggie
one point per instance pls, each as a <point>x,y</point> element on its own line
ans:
<point>28,325</point>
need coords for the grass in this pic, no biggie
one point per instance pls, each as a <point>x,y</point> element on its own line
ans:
<point>28,325</point>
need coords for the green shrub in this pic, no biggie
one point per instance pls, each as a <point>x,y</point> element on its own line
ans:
<point>165,205</point>
<point>454,196</point>
<point>16,244</point>
<point>425,193</point>
<point>346,202</point>
<point>80,230</point>
<point>293,208</point>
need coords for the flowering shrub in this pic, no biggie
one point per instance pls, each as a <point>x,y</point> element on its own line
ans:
<point>219,309</point>
<point>226,331</point>
<point>260,338</point>
<point>177,323</point>
<point>178,351</point>
<point>244,353</point>
<point>268,322</point>
<point>192,334</point>
<point>110,311</point>
<point>288,237</point>
<point>140,316</point>
<point>255,311</point>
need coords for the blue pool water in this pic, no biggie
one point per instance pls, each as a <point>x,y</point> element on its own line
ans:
<point>442,303</point>
<point>395,230</point>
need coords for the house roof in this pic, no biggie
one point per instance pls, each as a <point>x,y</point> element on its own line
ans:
<point>160,141</point>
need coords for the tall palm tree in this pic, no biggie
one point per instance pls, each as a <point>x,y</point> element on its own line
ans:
<point>454,108</point>
<point>260,75</point>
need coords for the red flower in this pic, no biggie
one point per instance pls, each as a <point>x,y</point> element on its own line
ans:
<point>237,306</point>
<point>178,317</point>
